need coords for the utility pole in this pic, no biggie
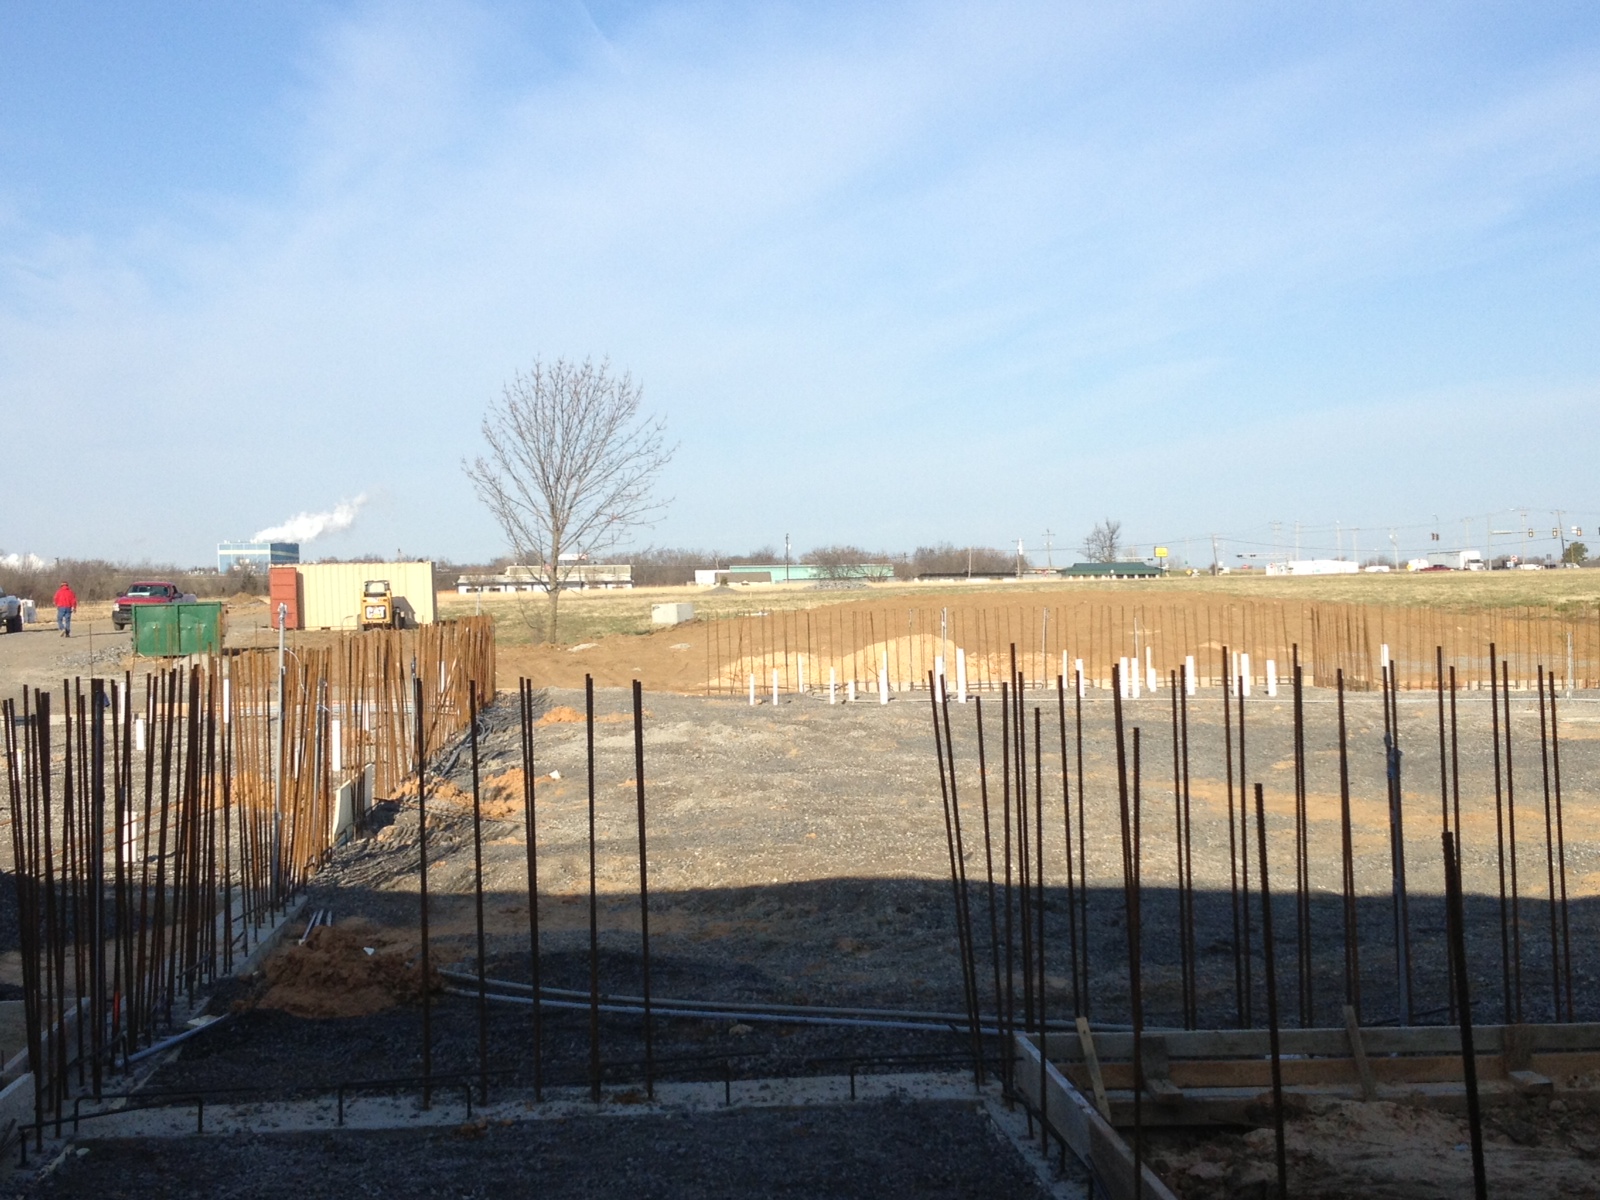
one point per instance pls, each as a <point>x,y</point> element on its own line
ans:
<point>1048,560</point>
<point>969,562</point>
<point>1216,563</point>
<point>1394,543</point>
<point>1561,533</point>
<point>786,558</point>
<point>1019,558</point>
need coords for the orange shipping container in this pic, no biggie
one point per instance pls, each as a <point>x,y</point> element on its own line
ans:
<point>284,588</point>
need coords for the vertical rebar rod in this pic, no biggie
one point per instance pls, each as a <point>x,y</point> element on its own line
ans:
<point>988,862</point>
<point>1244,861</point>
<point>969,958</point>
<point>1352,927</point>
<point>422,898</point>
<point>1177,842</point>
<point>531,841</point>
<point>477,894</point>
<point>1550,849</point>
<point>1397,850</point>
<point>1511,843</point>
<point>1233,850</point>
<point>1188,856</point>
<point>1019,726</point>
<point>1130,900</point>
<point>1270,971</point>
<point>594,901</point>
<point>1008,1015</point>
<point>97,875</point>
<point>644,890</point>
<point>1038,853</point>
<point>1456,921</point>
<point>1066,828</point>
<point>1455,764</point>
<point>1561,858</point>
<point>1083,844</point>
<point>1302,854</point>
<point>1506,1009</point>
<point>1444,761</point>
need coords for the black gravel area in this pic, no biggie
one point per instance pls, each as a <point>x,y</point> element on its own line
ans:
<point>934,1151</point>
<point>262,1052</point>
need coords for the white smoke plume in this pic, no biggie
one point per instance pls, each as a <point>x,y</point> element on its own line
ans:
<point>26,562</point>
<point>306,527</point>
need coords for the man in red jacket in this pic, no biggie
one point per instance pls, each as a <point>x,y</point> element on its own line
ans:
<point>66,601</point>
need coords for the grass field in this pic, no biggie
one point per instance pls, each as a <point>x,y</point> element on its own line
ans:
<point>590,616</point>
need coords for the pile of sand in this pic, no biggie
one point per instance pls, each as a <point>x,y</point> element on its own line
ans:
<point>563,714</point>
<point>334,975</point>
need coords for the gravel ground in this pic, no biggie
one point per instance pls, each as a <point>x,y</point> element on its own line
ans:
<point>797,856</point>
<point>935,1151</point>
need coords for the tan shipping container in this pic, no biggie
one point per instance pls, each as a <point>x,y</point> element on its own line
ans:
<point>331,594</point>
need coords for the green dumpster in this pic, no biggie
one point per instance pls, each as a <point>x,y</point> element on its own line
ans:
<point>171,630</point>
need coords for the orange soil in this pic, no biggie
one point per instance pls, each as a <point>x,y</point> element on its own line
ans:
<point>332,975</point>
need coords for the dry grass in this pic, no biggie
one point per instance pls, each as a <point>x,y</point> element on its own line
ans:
<point>591,616</point>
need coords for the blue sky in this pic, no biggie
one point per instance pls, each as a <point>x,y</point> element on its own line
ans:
<point>895,273</point>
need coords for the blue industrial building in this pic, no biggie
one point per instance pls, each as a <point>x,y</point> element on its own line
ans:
<point>256,555</point>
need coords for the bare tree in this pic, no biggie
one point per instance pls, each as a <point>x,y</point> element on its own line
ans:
<point>844,562</point>
<point>1104,542</point>
<point>570,467</point>
<point>945,558</point>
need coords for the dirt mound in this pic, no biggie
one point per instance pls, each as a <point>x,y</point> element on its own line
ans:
<point>563,714</point>
<point>500,795</point>
<point>439,791</point>
<point>342,971</point>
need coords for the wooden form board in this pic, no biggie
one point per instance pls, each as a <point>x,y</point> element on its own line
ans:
<point>1196,1069</point>
<point>1076,1121</point>
<point>1333,1042</point>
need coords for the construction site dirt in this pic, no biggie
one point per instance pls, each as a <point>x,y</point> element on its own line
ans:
<point>942,1151</point>
<point>1387,1150</point>
<point>797,856</point>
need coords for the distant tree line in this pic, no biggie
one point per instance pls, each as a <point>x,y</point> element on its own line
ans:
<point>95,579</point>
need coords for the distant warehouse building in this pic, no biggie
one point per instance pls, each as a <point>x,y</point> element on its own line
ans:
<point>571,577</point>
<point>256,555</point>
<point>747,573</point>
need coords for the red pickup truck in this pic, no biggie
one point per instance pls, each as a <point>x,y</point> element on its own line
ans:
<point>147,592</point>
